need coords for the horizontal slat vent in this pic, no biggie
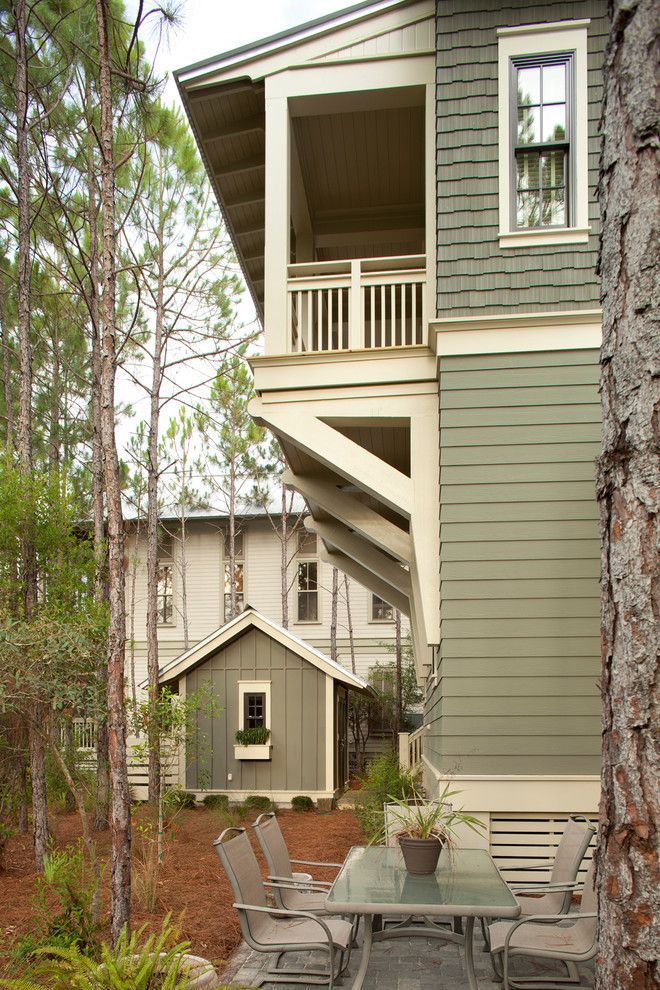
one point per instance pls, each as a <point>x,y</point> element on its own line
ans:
<point>519,840</point>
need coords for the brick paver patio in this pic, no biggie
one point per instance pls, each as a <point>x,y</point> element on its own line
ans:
<point>400,964</point>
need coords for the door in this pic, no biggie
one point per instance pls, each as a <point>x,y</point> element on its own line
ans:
<point>341,736</point>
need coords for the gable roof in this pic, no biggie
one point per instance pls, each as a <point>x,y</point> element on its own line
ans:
<point>250,618</point>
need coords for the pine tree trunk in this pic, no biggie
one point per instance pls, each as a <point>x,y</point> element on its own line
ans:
<point>40,833</point>
<point>333,613</point>
<point>6,369</point>
<point>152,549</point>
<point>628,878</point>
<point>284,558</point>
<point>120,876</point>
<point>232,539</point>
<point>102,795</point>
<point>398,692</point>
<point>349,620</point>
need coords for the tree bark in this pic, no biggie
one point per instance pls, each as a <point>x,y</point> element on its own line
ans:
<point>40,832</point>
<point>284,558</point>
<point>120,876</point>
<point>628,878</point>
<point>102,795</point>
<point>152,538</point>
<point>6,369</point>
<point>333,613</point>
<point>349,620</point>
<point>398,690</point>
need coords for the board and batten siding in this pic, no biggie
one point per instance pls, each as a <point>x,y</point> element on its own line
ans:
<point>515,690</point>
<point>475,276</point>
<point>298,729</point>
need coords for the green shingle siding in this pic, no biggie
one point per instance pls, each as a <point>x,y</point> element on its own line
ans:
<point>473,273</point>
<point>519,563</point>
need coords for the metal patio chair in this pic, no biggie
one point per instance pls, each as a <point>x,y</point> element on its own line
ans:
<point>568,938</point>
<point>295,891</point>
<point>279,930</point>
<point>554,897</point>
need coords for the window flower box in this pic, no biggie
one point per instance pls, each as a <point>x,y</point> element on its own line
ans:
<point>253,744</point>
<point>256,751</point>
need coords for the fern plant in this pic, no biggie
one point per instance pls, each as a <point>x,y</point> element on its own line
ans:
<point>157,963</point>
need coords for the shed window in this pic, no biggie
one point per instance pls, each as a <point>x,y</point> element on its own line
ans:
<point>541,139</point>
<point>308,595</point>
<point>254,710</point>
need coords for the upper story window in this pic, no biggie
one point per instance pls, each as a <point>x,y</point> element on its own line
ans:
<point>238,576</point>
<point>543,161</point>
<point>308,593</point>
<point>381,611</point>
<point>306,543</point>
<point>542,145</point>
<point>165,593</point>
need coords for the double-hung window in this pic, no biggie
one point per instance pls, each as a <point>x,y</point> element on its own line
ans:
<point>381,611</point>
<point>308,591</point>
<point>165,593</point>
<point>237,578</point>
<point>543,134</point>
<point>254,710</point>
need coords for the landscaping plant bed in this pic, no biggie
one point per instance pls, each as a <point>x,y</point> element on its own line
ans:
<point>192,882</point>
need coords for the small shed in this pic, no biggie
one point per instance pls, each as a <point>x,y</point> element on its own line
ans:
<point>262,676</point>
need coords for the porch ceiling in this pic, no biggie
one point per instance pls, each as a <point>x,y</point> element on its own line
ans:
<point>363,173</point>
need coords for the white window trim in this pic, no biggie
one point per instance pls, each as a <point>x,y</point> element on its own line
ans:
<point>318,620</point>
<point>540,39</point>
<point>252,687</point>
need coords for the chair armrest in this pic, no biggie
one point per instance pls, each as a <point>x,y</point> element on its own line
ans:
<point>528,869</point>
<point>545,917</point>
<point>284,913</point>
<point>541,887</point>
<point>309,862</point>
<point>300,884</point>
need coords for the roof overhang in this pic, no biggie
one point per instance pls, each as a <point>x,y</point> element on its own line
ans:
<point>250,618</point>
<point>224,99</point>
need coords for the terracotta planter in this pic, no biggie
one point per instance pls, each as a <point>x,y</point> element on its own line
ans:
<point>420,855</point>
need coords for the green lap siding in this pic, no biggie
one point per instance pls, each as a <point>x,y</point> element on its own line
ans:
<point>515,685</point>
<point>297,720</point>
<point>475,276</point>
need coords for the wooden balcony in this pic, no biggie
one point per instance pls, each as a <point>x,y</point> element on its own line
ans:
<point>358,304</point>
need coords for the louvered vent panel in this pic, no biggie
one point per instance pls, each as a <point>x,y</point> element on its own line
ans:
<point>529,840</point>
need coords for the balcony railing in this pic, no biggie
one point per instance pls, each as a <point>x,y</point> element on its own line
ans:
<point>370,303</point>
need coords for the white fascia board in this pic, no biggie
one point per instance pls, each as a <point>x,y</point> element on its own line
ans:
<point>307,42</point>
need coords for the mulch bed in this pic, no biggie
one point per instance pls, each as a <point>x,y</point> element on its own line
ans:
<point>192,885</point>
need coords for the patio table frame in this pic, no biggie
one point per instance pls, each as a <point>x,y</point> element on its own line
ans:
<point>466,866</point>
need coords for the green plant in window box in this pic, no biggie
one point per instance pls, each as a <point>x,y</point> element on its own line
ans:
<point>257,736</point>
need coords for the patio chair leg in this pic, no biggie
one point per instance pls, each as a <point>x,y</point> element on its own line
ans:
<point>484,932</point>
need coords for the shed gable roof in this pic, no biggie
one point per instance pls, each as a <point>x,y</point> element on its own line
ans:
<point>250,618</point>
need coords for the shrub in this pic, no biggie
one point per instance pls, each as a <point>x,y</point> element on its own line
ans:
<point>5,833</point>
<point>177,798</point>
<point>383,779</point>
<point>216,802</point>
<point>258,802</point>
<point>155,963</point>
<point>257,736</point>
<point>72,923</point>
<point>302,803</point>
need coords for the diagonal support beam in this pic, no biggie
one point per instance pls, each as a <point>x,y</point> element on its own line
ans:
<point>340,455</point>
<point>363,553</point>
<point>352,513</point>
<point>366,578</point>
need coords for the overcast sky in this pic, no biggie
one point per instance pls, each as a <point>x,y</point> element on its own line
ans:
<point>210,27</point>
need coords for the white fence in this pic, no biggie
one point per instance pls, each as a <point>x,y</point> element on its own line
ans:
<point>410,748</point>
<point>364,303</point>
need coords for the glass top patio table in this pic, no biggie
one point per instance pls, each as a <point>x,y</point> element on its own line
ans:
<point>466,883</point>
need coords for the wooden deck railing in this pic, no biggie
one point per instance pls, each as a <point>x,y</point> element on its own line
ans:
<point>370,303</point>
